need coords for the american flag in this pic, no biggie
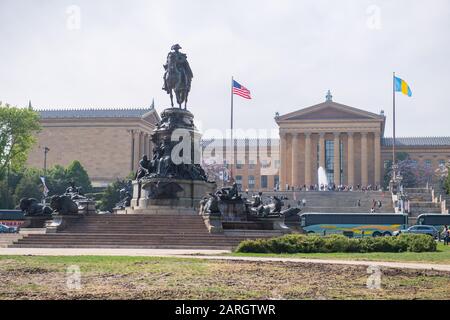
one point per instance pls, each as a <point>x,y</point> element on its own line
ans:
<point>241,90</point>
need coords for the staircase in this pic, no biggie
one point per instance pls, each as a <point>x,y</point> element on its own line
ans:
<point>337,201</point>
<point>7,239</point>
<point>173,231</point>
<point>421,201</point>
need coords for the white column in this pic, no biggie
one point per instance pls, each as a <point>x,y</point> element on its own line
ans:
<point>307,159</point>
<point>295,160</point>
<point>350,160</point>
<point>377,143</point>
<point>364,165</point>
<point>282,169</point>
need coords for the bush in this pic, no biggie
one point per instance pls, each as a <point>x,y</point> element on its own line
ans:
<point>419,242</point>
<point>297,243</point>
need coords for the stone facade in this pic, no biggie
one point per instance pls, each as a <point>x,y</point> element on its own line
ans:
<point>307,141</point>
<point>108,143</point>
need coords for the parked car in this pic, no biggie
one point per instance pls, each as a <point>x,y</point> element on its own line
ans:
<point>419,229</point>
<point>6,229</point>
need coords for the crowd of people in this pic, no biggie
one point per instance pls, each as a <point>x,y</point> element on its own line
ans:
<point>332,187</point>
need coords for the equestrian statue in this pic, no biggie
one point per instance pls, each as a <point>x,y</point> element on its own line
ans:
<point>178,76</point>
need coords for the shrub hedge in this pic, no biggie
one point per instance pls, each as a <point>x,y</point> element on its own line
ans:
<point>298,243</point>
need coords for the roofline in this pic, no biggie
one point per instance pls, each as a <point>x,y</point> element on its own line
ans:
<point>93,109</point>
<point>302,110</point>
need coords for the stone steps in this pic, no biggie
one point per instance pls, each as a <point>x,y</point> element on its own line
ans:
<point>140,231</point>
<point>343,210</point>
<point>7,239</point>
<point>339,201</point>
<point>125,246</point>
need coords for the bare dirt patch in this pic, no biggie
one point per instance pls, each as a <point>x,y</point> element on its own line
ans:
<point>167,278</point>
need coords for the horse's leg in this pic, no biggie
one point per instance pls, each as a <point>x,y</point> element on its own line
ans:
<point>178,93</point>
<point>171,98</point>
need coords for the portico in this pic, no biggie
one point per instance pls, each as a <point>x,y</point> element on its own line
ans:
<point>345,141</point>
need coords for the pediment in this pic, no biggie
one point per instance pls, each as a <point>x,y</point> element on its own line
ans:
<point>329,111</point>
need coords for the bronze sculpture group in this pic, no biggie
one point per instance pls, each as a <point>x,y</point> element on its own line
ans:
<point>211,204</point>
<point>65,204</point>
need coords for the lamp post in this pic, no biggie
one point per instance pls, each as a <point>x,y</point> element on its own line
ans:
<point>46,150</point>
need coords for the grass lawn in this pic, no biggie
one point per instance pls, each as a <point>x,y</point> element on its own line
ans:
<point>102,277</point>
<point>442,256</point>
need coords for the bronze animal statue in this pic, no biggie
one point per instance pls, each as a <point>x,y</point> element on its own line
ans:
<point>63,205</point>
<point>32,207</point>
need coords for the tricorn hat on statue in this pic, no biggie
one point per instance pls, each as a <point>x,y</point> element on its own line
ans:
<point>175,47</point>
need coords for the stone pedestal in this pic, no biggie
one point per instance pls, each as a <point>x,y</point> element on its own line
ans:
<point>60,222</point>
<point>189,197</point>
<point>173,180</point>
<point>233,210</point>
<point>213,223</point>
<point>86,206</point>
<point>36,221</point>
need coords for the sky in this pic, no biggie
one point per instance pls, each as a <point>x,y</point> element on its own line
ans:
<point>110,53</point>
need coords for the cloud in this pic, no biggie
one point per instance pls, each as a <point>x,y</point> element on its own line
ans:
<point>288,53</point>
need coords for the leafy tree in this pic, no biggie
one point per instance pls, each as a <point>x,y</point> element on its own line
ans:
<point>6,196</point>
<point>57,180</point>
<point>447,184</point>
<point>18,127</point>
<point>29,186</point>
<point>111,195</point>
<point>75,172</point>
<point>27,183</point>
<point>399,156</point>
<point>443,176</point>
<point>414,174</point>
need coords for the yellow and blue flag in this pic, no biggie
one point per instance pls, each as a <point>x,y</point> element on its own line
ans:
<point>401,86</point>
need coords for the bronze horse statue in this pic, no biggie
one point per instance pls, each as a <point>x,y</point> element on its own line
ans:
<point>178,76</point>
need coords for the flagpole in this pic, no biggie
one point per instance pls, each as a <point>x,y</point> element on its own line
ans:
<point>393,121</point>
<point>232,141</point>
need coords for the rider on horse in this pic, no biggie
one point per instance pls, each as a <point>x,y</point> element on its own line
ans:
<point>178,60</point>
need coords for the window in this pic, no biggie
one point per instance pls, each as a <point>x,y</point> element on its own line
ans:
<point>238,180</point>
<point>318,155</point>
<point>277,164</point>
<point>329,160</point>
<point>251,182</point>
<point>441,162</point>
<point>265,163</point>
<point>386,164</point>
<point>264,183</point>
<point>276,181</point>
<point>239,164</point>
<point>251,164</point>
<point>428,163</point>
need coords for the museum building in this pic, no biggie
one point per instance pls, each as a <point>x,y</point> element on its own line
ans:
<point>347,142</point>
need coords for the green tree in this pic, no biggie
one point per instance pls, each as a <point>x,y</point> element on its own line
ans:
<point>399,156</point>
<point>6,196</point>
<point>76,173</point>
<point>18,127</point>
<point>111,195</point>
<point>57,180</point>
<point>30,186</point>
